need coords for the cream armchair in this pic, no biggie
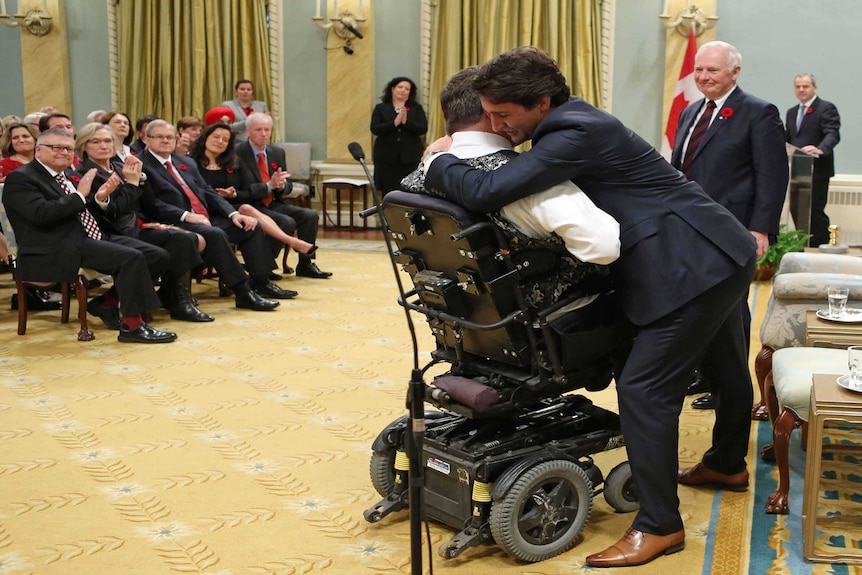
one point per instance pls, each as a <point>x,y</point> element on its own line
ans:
<point>800,285</point>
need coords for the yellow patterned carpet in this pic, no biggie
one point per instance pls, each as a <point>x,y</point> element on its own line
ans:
<point>243,448</point>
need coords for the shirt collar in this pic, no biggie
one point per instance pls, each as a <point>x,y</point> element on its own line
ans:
<point>474,144</point>
<point>160,159</point>
<point>719,102</point>
<point>809,102</point>
<point>49,170</point>
<point>256,151</point>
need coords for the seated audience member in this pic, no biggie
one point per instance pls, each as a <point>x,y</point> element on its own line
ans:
<point>95,116</point>
<point>19,148</point>
<point>12,119</point>
<point>188,130</point>
<point>562,217</point>
<point>218,115</point>
<point>215,154</point>
<point>32,120</point>
<point>140,129</point>
<point>57,120</point>
<point>116,208</point>
<point>48,110</point>
<point>243,106</point>
<point>187,201</point>
<point>264,174</point>
<point>57,235</point>
<point>120,123</point>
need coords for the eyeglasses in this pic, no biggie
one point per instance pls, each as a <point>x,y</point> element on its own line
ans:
<point>58,149</point>
<point>162,137</point>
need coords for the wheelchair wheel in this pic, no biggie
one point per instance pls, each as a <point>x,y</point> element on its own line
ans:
<point>620,490</point>
<point>382,469</point>
<point>544,511</point>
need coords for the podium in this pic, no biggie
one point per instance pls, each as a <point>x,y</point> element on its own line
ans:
<point>799,197</point>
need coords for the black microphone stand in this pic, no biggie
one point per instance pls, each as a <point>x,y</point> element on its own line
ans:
<point>415,395</point>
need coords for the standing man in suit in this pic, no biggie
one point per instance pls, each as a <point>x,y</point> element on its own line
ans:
<point>814,126</point>
<point>184,199</point>
<point>243,106</point>
<point>57,235</point>
<point>732,144</point>
<point>685,262</point>
<point>265,180</point>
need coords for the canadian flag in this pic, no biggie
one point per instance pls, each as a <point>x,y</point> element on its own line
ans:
<point>686,93</point>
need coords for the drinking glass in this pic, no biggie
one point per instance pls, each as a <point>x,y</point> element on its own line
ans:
<point>837,301</point>
<point>854,362</point>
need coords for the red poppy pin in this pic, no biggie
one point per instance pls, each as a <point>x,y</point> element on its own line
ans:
<point>274,166</point>
<point>230,170</point>
<point>134,153</point>
<point>183,167</point>
<point>726,112</point>
<point>75,179</point>
<point>809,110</point>
<point>406,109</point>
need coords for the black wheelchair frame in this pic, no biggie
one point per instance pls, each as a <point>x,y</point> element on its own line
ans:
<point>506,459</point>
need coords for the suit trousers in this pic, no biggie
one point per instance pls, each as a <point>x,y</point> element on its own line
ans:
<point>819,229</point>
<point>651,391</point>
<point>182,248</point>
<point>291,219</point>
<point>132,263</point>
<point>219,253</point>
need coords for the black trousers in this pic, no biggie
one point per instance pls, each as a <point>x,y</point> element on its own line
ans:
<point>133,264</point>
<point>651,391</point>
<point>219,252</point>
<point>181,245</point>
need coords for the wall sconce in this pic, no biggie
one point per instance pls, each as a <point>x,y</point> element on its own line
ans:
<point>345,24</point>
<point>684,20</point>
<point>37,22</point>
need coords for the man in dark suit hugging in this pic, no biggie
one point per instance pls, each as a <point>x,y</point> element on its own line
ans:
<point>685,262</point>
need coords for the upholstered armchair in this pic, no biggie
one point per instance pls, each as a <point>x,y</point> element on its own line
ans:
<point>800,285</point>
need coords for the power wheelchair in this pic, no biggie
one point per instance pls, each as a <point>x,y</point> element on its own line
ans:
<point>506,456</point>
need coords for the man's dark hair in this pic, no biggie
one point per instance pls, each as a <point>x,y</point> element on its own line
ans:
<point>143,120</point>
<point>522,76</point>
<point>460,102</point>
<point>241,82</point>
<point>45,120</point>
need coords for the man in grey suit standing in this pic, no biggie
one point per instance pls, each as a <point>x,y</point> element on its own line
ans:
<point>813,125</point>
<point>685,262</point>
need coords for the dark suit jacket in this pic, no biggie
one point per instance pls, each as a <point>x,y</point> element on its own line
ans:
<point>171,200</point>
<point>398,144</point>
<point>253,188</point>
<point>741,162</point>
<point>676,241</point>
<point>820,127</point>
<point>120,216</point>
<point>46,223</point>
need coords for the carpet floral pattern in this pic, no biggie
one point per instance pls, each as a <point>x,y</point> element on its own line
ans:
<point>243,448</point>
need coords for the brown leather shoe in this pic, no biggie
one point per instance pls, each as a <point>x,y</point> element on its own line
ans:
<point>637,548</point>
<point>700,474</point>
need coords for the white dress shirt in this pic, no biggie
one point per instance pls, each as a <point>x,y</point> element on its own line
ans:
<point>590,234</point>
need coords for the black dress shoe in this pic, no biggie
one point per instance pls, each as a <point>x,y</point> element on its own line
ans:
<point>274,277</point>
<point>699,384</point>
<point>188,312</point>
<point>705,402</point>
<point>272,291</point>
<point>109,315</point>
<point>309,269</point>
<point>145,334</point>
<point>37,300</point>
<point>246,298</point>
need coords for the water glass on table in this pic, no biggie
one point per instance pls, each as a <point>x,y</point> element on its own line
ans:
<point>837,301</point>
<point>854,362</point>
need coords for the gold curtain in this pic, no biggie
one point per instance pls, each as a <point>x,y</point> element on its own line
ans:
<point>470,32</point>
<point>183,58</point>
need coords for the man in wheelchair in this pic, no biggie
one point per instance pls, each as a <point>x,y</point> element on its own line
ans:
<point>522,309</point>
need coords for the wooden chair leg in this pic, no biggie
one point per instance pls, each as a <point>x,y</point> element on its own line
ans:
<point>22,305</point>
<point>771,399</point>
<point>85,333</point>
<point>284,267</point>
<point>65,303</point>
<point>777,502</point>
<point>762,367</point>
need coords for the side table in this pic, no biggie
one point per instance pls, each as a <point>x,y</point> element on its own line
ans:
<point>349,186</point>
<point>823,333</point>
<point>836,411</point>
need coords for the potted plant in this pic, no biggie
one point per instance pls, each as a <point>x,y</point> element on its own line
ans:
<point>787,241</point>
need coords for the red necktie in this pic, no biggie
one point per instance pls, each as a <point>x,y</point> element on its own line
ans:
<point>87,219</point>
<point>248,111</point>
<point>197,206</point>
<point>264,175</point>
<point>697,136</point>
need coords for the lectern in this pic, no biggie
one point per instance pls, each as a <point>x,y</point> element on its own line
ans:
<point>799,198</point>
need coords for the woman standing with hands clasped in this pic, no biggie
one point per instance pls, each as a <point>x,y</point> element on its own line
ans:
<point>399,122</point>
